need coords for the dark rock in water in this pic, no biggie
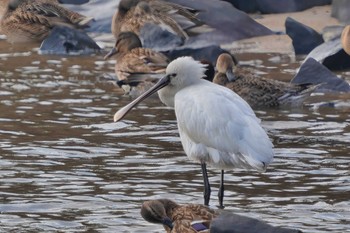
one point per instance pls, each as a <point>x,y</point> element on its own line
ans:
<point>313,72</point>
<point>304,38</point>
<point>278,6</point>
<point>340,10</point>
<point>156,38</point>
<point>331,55</point>
<point>65,40</point>
<point>234,223</point>
<point>338,61</point>
<point>209,53</point>
<point>244,5</point>
<point>76,2</point>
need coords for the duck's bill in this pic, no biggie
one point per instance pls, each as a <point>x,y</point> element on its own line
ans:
<point>159,85</point>
<point>110,53</point>
<point>230,75</point>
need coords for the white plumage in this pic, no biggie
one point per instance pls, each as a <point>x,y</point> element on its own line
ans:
<point>216,126</point>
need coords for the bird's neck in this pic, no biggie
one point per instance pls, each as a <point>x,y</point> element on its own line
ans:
<point>167,96</point>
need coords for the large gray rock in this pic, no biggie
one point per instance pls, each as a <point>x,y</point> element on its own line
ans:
<point>68,41</point>
<point>234,223</point>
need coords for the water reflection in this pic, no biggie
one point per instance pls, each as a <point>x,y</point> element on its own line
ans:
<point>64,166</point>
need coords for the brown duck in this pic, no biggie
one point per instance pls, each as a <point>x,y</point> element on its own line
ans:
<point>135,64</point>
<point>175,218</point>
<point>32,21</point>
<point>259,91</point>
<point>132,15</point>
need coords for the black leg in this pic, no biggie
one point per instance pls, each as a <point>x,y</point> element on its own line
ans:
<point>221,191</point>
<point>206,184</point>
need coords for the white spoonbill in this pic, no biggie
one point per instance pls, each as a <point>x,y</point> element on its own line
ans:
<point>216,126</point>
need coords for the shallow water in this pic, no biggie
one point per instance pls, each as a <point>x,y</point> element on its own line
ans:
<point>66,167</point>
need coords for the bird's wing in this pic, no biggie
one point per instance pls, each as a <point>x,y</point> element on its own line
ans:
<point>218,118</point>
<point>142,60</point>
<point>56,14</point>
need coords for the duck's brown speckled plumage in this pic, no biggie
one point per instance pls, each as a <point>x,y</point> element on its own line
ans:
<point>28,21</point>
<point>181,216</point>
<point>258,91</point>
<point>345,39</point>
<point>132,15</point>
<point>135,64</point>
<point>133,59</point>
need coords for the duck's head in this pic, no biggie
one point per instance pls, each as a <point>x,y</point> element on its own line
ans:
<point>180,73</point>
<point>126,41</point>
<point>225,65</point>
<point>156,211</point>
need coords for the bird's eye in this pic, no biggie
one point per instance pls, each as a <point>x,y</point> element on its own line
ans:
<point>173,75</point>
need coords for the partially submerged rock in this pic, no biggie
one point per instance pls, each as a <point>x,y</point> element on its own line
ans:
<point>313,72</point>
<point>65,40</point>
<point>234,223</point>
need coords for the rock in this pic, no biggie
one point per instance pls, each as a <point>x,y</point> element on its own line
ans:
<point>304,38</point>
<point>340,10</point>
<point>76,2</point>
<point>313,72</point>
<point>234,223</point>
<point>208,53</point>
<point>66,40</point>
<point>154,37</point>
<point>244,5</point>
<point>278,6</point>
<point>331,54</point>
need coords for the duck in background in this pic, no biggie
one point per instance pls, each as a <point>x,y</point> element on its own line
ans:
<point>32,21</point>
<point>259,91</point>
<point>132,15</point>
<point>135,64</point>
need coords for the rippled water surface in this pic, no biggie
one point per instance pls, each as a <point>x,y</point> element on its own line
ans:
<point>65,167</point>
